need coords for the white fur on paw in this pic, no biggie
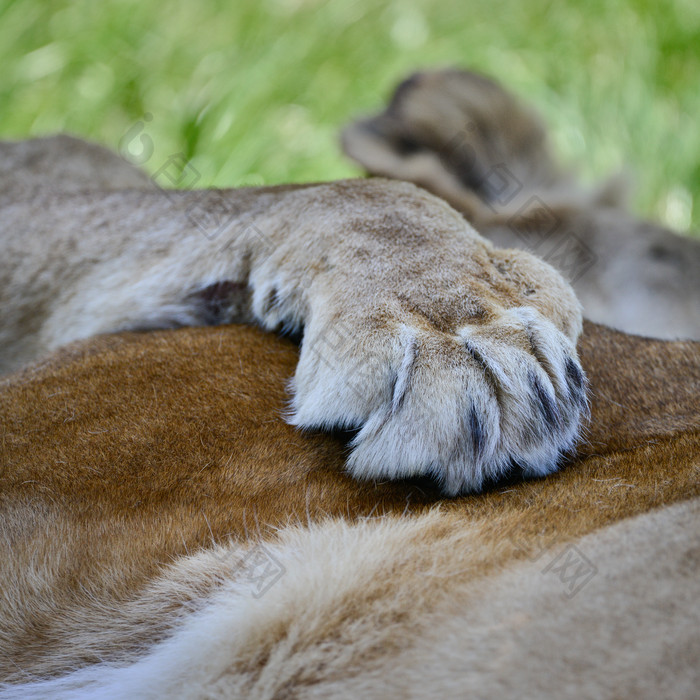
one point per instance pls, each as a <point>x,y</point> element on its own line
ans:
<point>463,408</point>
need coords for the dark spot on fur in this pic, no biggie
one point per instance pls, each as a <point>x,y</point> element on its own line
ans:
<point>576,380</point>
<point>294,333</point>
<point>476,429</point>
<point>271,301</point>
<point>219,302</point>
<point>460,157</point>
<point>406,146</point>
<point>488,373</point>
<point>546,402</point>
<point>394,381</point>
<point>343,435</point>
<point>476,355</point>
<point>574,374</point>
<point>513,474</point>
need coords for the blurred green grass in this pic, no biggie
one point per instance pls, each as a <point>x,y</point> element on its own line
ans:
<point>255,92</point>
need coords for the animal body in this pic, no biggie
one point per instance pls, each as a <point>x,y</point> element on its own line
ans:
<point>165,532</point>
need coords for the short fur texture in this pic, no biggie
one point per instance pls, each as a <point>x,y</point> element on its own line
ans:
<point>429,627</point>
<point>140,470</point>
<point>450,357</point>
<point>465,138</point>
<point>143,473</point>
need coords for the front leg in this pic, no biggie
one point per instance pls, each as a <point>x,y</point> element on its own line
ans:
<point>452,359</point>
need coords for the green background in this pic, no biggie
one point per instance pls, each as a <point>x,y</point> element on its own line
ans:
<point>255,92</point>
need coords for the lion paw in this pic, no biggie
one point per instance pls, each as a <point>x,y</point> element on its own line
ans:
<point>463,407</point>
<point>451,358</point>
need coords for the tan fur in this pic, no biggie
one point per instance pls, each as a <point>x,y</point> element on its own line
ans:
<point>465,138</point>
<point>139,471</point>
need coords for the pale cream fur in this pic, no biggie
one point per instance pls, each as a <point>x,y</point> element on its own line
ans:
<point>391,608</point>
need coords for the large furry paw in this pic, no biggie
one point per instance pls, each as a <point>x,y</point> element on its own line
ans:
<point>451,358</point>
<point>463,406</point>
